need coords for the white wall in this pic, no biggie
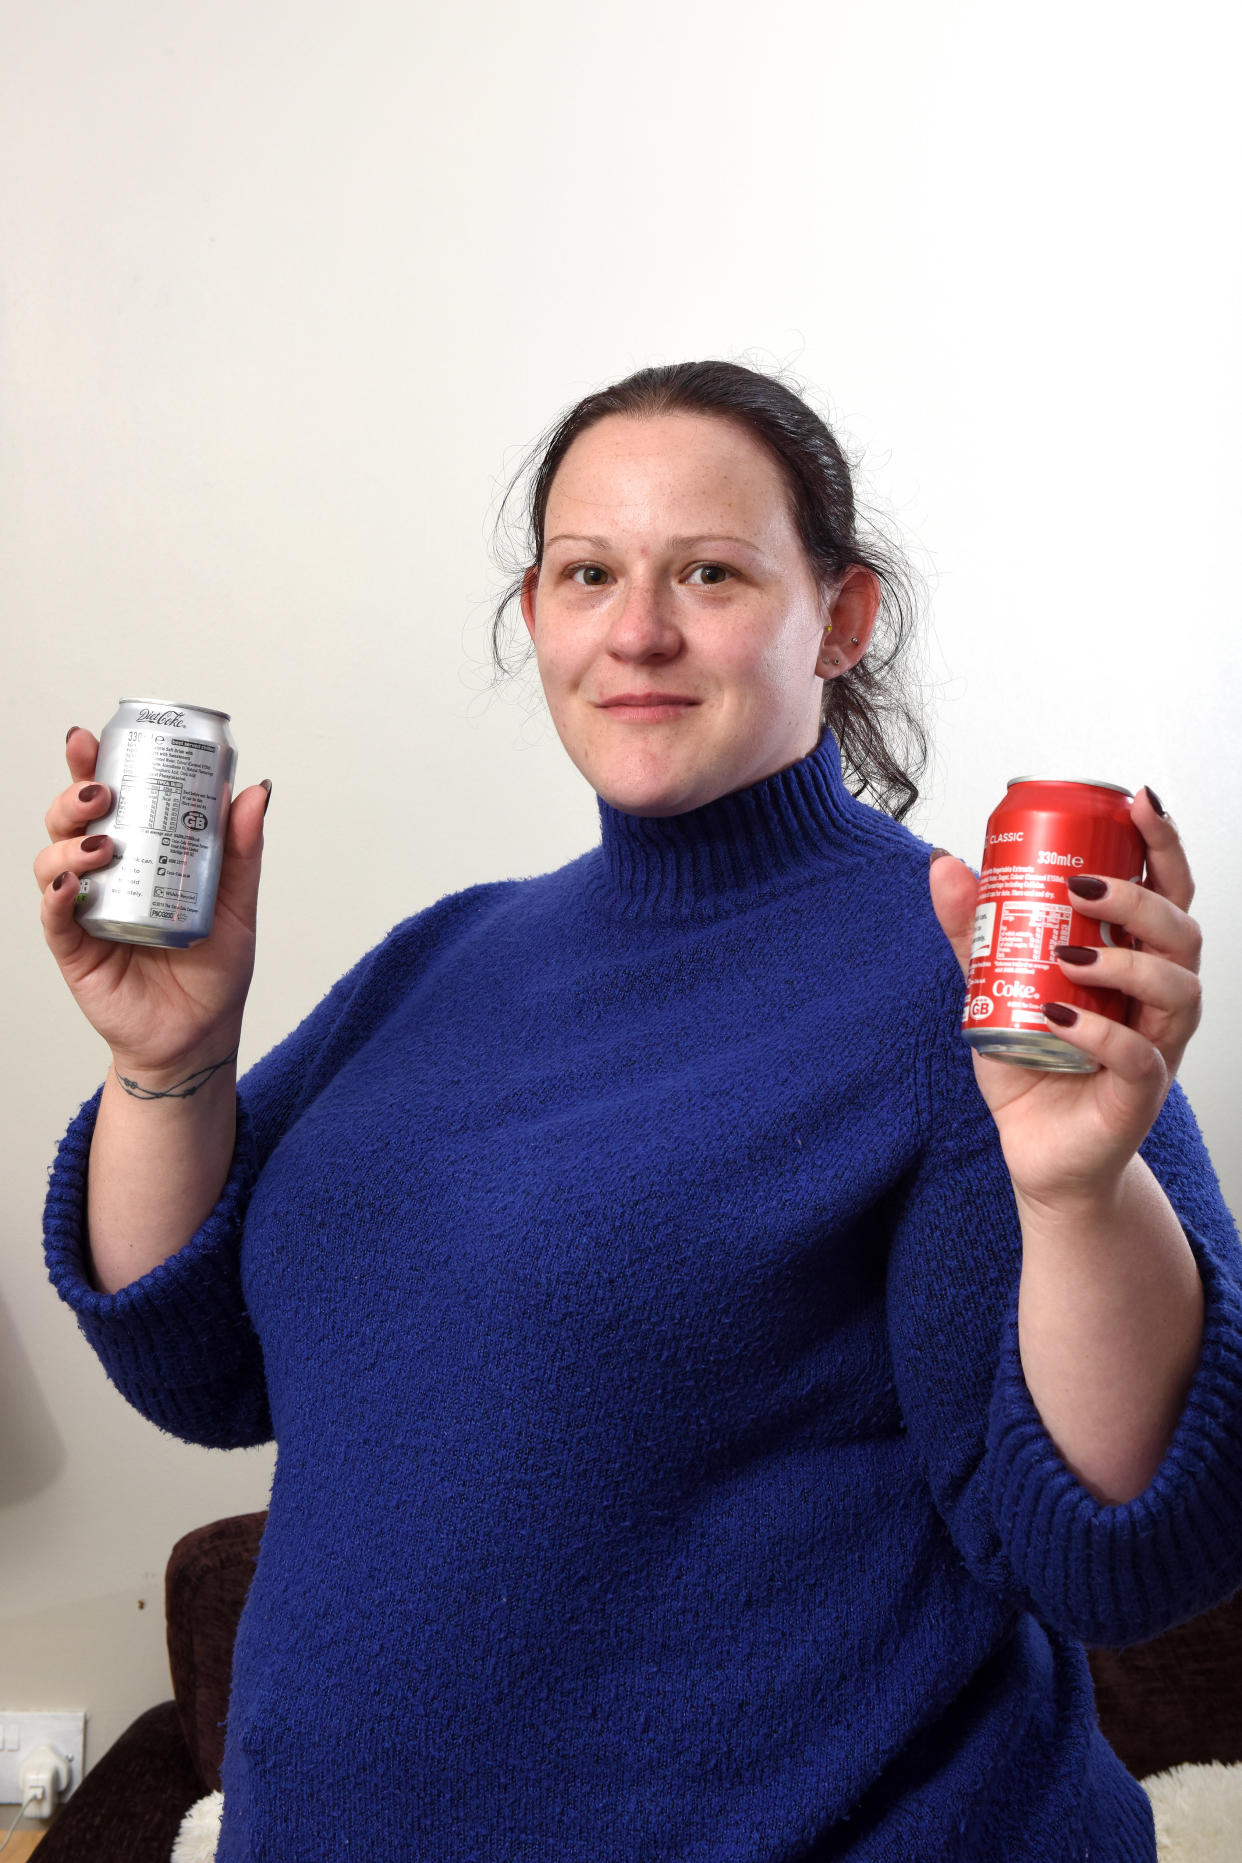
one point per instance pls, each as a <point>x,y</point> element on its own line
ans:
<point>290,287</point>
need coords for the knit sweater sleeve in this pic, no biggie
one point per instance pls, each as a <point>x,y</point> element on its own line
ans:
<point>178,1342</point>
<point>1021,1520</point>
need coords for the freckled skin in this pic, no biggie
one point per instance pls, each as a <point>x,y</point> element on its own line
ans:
<point>694,581</point>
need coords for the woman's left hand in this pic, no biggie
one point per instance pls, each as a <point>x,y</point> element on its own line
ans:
<point>1066,1137</point>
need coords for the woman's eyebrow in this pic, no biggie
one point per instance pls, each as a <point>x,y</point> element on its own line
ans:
<point>714,536</point>
<point>674,543</point>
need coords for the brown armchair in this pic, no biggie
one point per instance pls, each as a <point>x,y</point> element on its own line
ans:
<point>129,1807</point>
<point>1176,1700</point>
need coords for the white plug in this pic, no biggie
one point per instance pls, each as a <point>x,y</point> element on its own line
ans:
<point>42,1776</point>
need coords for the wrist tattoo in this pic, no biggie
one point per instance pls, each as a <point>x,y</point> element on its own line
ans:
<point>182,1089</point>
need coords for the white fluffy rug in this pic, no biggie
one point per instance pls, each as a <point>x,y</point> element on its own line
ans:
<point>1198,1813</point>
<point>200,1827</point>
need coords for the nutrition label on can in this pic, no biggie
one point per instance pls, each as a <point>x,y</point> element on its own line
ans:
<point>1028,931</point>
<point>168,799</point>
<point>1020,917</point>
<point>168,785</point>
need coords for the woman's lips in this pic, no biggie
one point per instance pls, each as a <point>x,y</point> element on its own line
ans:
<point>666,708</point>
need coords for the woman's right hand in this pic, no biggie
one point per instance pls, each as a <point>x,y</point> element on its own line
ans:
<point>159,1010</point>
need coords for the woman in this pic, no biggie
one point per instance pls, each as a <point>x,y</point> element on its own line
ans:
<point>712,1407</point>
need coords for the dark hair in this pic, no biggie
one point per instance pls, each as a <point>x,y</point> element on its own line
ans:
<point>873,710</point>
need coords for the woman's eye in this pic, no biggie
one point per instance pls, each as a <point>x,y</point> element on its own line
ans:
<point>595,576</point>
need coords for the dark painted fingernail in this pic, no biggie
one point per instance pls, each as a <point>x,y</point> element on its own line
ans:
<point>90,792</point>
<point>1061,1014</point>
<point>93,843</point>
<point>59,881</point>
<point>936,853</point>
<point>69,733</point>
<point>1084,887</point>
<point>1076,953</point>
<point>266,784</point>
<point>1154,799</point>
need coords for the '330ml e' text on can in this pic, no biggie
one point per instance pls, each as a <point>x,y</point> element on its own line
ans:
<point>1046,830</point>
<point>170,769</point>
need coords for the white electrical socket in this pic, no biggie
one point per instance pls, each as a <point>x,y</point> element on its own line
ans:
<point>22,1731</point>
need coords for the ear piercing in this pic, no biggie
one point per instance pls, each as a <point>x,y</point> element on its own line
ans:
<point>853,641</point>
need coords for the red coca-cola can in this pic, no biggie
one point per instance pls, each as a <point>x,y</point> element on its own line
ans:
<point>1046,830</point>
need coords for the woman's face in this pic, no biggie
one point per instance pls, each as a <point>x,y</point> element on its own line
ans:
<point>672,570</point>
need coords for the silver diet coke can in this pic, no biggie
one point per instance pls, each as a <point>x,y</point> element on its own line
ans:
<point>170,769</point>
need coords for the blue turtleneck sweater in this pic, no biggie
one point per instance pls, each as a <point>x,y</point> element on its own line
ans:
<point>624,1262</point>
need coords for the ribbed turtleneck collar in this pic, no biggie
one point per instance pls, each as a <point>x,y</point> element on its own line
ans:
<point>752,843</point>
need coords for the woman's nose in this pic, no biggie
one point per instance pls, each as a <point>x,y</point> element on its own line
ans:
<point>644,620</point>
